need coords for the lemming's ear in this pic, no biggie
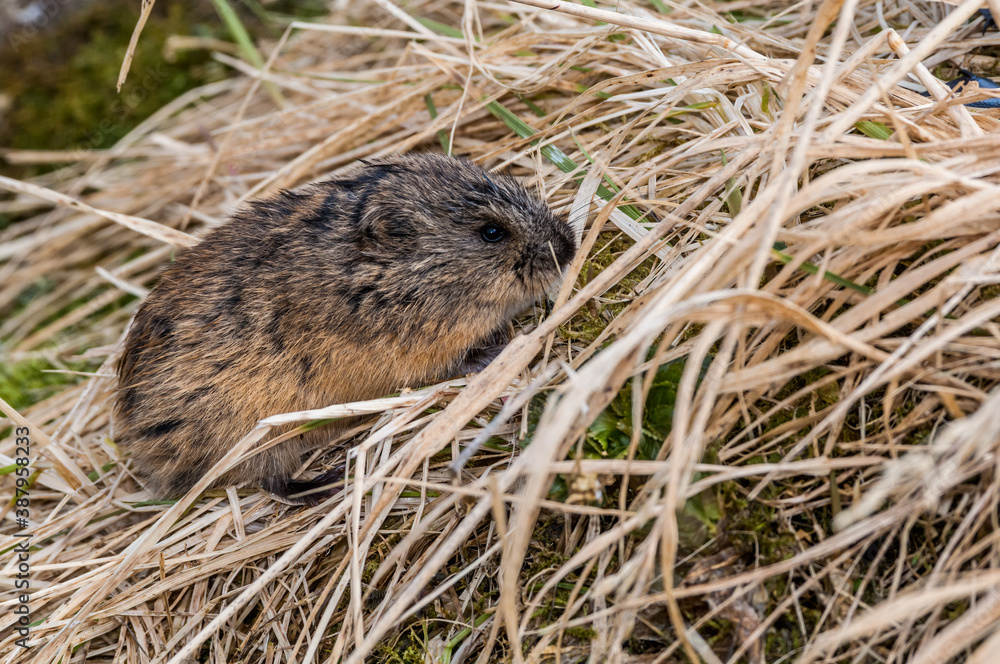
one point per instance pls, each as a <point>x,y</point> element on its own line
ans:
<point>382,213</point>
<point>373,221</point>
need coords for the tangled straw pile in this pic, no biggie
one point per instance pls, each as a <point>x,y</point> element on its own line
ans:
<point>822,239</point>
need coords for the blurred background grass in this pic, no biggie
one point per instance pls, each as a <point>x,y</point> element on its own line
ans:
<point>61,63</point>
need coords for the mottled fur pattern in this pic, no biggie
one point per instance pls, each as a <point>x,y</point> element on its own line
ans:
<point>348,289</point>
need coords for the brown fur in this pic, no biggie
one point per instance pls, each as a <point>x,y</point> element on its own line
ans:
<point>349,289</point>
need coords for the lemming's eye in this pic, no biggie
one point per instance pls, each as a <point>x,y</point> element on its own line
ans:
<point>493,233</point>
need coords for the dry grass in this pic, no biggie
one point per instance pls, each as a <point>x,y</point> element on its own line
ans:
<point>828,489</point>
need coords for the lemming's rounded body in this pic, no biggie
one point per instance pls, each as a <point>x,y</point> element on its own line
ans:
<point>404,271</point>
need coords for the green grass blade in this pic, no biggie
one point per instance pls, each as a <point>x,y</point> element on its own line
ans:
<point>813,269</point>
<point>245,42</point>
<point>440,28</point>
<point>441,133</point>
<point>733,195</point>
<point>873,129</point>
<point>535,108</point>
<point>258,10</point>
<point>239,33</point>
<point>610,190</point>
<point>552,153</point>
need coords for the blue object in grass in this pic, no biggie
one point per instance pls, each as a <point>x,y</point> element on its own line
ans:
<point>968,77</point>
<point>990,23</point>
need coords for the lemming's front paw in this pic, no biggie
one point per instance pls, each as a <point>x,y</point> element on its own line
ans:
<point>477,358</point>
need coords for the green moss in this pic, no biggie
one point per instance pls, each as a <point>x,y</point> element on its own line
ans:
<point>610,434</point>
<point>582,633</point>
<point>588,324</point>
<point>298,8</point>
<point>990,292</point>
<point>26,382</point>
<point>751,526</point>
<point>62,83</point>
<point>410,647</point>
